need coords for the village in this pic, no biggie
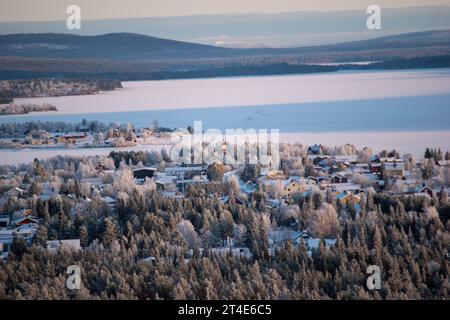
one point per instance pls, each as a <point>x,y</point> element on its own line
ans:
<point>86,135</point>
<point>335,184</point>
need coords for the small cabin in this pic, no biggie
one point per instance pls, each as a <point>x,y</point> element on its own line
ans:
<point>339,178</point>
<point>142,173</point>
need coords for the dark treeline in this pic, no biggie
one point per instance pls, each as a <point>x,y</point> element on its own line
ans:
<point>413,63</point>
<point>233,69</point>
<point>33,87</point>
<point>229,71</point>
<point>14,129</point>
<point>436,154</point>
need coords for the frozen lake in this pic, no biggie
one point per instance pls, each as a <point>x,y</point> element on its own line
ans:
<point>408,113</point>
<point>408,110</point>
<point>251,91</point>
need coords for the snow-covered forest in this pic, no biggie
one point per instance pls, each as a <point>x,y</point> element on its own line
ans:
<point>155,244</point>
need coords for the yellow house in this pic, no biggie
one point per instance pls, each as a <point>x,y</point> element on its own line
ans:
<point>346,197</point>
<point>293,187</point>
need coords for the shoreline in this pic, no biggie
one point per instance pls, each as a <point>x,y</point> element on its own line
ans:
<point>414,142</point>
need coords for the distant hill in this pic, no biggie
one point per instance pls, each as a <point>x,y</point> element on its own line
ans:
<point>122,46</point>
<point>408,40</point>
<point>129,46</point>
<point>431,39</point>
<point>128,56</point>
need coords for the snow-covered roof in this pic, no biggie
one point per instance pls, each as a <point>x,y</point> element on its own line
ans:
<point>393,166</point>
<point>348,158</point>
<point>283,235</point>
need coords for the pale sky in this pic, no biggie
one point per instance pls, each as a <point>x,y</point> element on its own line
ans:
<point>45,10</point>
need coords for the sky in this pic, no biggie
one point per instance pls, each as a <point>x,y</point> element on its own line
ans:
<point>48,10</point>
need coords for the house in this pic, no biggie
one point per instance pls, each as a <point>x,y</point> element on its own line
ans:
<point>313,244</point>
<point>348,197</point>
<point>37,134</point>
<point>427,190</point>
<point>315,149</point>
<point>15,192</point>
<point>406,185</point>
<point>165,182</point>
<point>320,159</point>
<point>182,183</point>
<point>226,200</point>
<point>350,159</point>
<point>24,220</point>
<point>362,168</point>
<point>322,170</point>
<point>348,187</point>
<point>4,221</point>
<point>293,187</point>
<point>393,169</point>
<point>243,252</point>
<point>375,167</point>
<point>180,171</point>
<point>22,213</point>
<point>338,178</point>
<point>71,137</point>
<point>100,167</point>
<point>421,195</point>
<point>7,237</point>
<point>69,245</point>
<point>389,159</point>
<point>142,173</point>
<point>278,237</point>
<point>312,180</point>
